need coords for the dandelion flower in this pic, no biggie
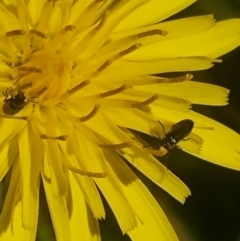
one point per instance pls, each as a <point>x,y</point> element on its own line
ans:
<point>76,76</point>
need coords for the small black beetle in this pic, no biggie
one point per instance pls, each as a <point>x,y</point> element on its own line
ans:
<point>15,103</point>
<point>178,132</point>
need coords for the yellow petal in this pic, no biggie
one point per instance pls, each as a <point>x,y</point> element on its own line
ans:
<point>196,92</point>
<point>55,19</point>
<point>30,149</point>
<point>123,8</point>
<point>59,213</point>
<point>116,199</point>
<point>81,216</point>
<point>151,12</point>
<point>16,230</point>
<point>11,127</point>
<point>157,172</point>
<point>88,154</point>
<point>107,129</point>
<point>147,164</point>
<point>11,220</point>
<point>53,155</point>
<point>9,20</point>
<point>133,98</point>
<point>8,156</point>
<point>202,44</point>
<point>186,26</point>
<point>171,29</point>
<point>132,68</point>
<point>220,145</point>
<point>91,195</point>
<point>53,159</point>
<point>35,9</point>
<point>152,222</point>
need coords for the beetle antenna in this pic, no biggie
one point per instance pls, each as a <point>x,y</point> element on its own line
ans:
<point>159,135</point>
<point>162,128</point>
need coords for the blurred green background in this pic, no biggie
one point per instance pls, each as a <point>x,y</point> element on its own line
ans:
<point>212,213</point>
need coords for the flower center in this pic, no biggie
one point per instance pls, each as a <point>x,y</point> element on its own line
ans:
<point>41,71</point>
<point>54,75</point>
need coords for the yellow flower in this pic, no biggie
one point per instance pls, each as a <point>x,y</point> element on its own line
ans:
<point>76,76</point>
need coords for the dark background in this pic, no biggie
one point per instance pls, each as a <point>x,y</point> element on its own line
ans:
<point>212,213</point>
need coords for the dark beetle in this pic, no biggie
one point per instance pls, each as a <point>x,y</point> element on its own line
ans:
<point>178,132</point>
<point>14,103</point>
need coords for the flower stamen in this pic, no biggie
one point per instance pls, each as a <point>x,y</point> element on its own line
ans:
<point>149,80</point>
<point>59,138</point>
<point>41,91</point>
<point>76,119</point>
<point>130,49</point>
<point>114,92</point>
<point>174,80</point>
<point>77,170</point>
<point>145,102</point>
<point>38,33</point>
<point>30,69</point>
<point>151,33</point>
<point>91,114</point>
<point>104,66</point>
<point>87,173</point>
<point>118,56</point>
<point>103,20</point>
<point>44,136</point>
<point>116,146</point>
<point>16,32</point>
<point>79,87</point>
